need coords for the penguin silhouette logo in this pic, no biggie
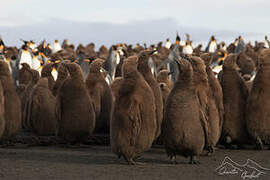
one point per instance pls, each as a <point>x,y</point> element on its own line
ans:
<point>249,170</point>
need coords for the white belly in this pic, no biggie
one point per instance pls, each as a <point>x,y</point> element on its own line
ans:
<point>26,58</point>
<point>212,47</point>
<point>35,63</point>
<point>56,47</point>
<point>187,50</point>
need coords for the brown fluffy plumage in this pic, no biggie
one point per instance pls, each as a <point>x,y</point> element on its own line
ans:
<point>101,95</point>
<point>165,92</point>
<point>26,96</point>
<point>41,113</point>
<point>258,119</point>
<point>215,103</point>
<point>2,111</point>
<point>12,103</point>
<point>207,103</point>
<point>47,72</point>
<point>115,86</point>
<point>24,74</point>
<point>235,94</point>
<point>74,107</point>
<point>245,64</point>
<point>133,125</point>
<point>183,132</point>
<point>61,77</point>
<point>145,70</point>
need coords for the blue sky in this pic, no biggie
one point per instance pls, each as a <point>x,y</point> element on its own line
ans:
<point>215,15</point>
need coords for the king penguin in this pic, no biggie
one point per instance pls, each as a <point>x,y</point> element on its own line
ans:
<point>56,46</point>
<point>266,42</point>
<point>212,45</point>
<point>25,55</point>
<point>168,43</point>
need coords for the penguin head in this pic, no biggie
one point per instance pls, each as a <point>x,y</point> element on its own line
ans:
<point>25,66</point>
<point>185,69</point>
<point>221,56</point>
<point>264,58</point>
<point>178,39</point>
<point>96,65</point>
<point>213,38</point>
<point>144,56</point>
<point>163,75</point>
<point>266,38</point>
<point>230,62</point>
<point>199,68</point>
<point>47,69</point>
<point>62,70</point>
<point>207,57</point>
<point>129,66</point>
<point>35,75</point>
<point>74,70</point>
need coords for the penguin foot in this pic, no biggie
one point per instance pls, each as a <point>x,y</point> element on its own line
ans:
<point>173,160</point>
<point>259,144</point>
<point>193,160</point>
<point>211,150</point>
<point>130,161</point>
<point>228,140</point>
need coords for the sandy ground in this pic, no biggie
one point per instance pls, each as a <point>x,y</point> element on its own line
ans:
<point>98,162</point>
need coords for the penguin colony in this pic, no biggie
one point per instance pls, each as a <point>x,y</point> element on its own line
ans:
<point>189,99</point>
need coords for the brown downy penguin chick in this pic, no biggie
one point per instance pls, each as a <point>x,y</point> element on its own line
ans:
<point>47,72</point>
<point>163,77</point>
<point>61,77</point>
<point>258,120</point>
<point>207,106</point>
<point>2,111</point>
<point>133,125</point>
<point>24,74</point>
<point>245,63</point>
<point>12,103</point>
<point>26,96</point>
<point>183,132</point>
<point>215,111</point>
<point>101,95</point>
<point>235,94</point>
<point>145,70</point>
<point>74,107</point>
<point>41,113</point>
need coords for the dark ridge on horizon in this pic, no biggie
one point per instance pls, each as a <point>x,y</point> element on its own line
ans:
<point>150,31</point>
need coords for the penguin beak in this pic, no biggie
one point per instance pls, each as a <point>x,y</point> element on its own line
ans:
<point>152,52</point>
<point>87,60</point>
<point>102,69</point>
<point>58,61</point>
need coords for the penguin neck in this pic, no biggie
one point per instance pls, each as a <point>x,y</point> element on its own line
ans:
<point>144,69</point>
<point>61,75</point>
<point>184,83</point>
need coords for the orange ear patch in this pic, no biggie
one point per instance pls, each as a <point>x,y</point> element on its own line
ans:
<point>87,60</point>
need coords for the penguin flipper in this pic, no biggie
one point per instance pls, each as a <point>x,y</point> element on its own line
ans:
<point>96,98</point>
<point>135,119</point>
<point>28,112</point>
<point>205,127</point>
<point>58,112</point>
